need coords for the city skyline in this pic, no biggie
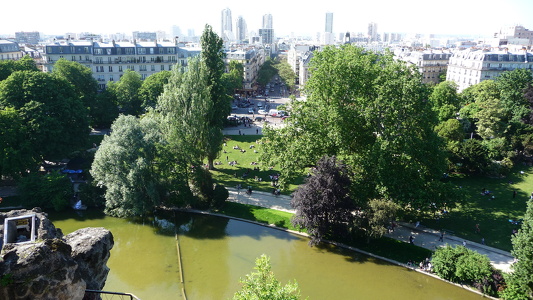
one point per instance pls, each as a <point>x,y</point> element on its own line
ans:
<point>454,17</point>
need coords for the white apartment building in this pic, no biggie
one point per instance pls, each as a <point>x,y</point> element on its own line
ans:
<point>252,59</point>
<point>9,50</point>
<point>430,63</point>
<point>109,60</point>
<point>470,67</point>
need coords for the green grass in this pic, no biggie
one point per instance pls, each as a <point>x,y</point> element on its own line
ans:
<point>492,215</point>
<point>386,247</point>
<point>232,175</point>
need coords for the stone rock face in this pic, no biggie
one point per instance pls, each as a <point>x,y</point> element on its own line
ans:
<point>90,249</point>
<point>53,267</point>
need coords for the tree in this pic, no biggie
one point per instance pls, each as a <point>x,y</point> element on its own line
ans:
<point>233,79</point>
<point>125,164</point>
<point>7,67</point>
<point>152,87</point>
<point>373,112</point>
<point>81,78</point>
<point>511,85</point>
<point>16,153</point>
<point>323,204</point>
<point>378,216</point>
<point>286,74</point>
<point>126,91</point>
<point>52,190</point>
<point>521,279</point>
<point>104,110</point>
<point>212,57</point>
<point>55,117</point>
<point>445,100</point>
<point>266,72</point>
<point>263,285</point>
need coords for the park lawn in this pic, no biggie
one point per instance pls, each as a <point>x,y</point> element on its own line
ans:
<point>231,176</point>
<point>492,214</point>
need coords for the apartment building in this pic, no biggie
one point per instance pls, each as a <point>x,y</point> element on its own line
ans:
<point>9,50</point>
<point>470,66</point>
<point>252,59</point>
<point>109,60</point>
<point>430,63</point>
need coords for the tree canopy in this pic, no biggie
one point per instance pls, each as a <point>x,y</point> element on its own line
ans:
<point>126,92</point>
<point>373,113</point>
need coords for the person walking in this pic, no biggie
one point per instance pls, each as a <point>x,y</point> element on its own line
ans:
<point>441,237</point>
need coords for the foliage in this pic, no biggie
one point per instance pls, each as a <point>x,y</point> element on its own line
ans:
<point>232,80</point>
<point>126,92</point>
<point>286,74</point>
<point>104,110</point>
<point>323,204</point>
<point>521,280</point>
<point>16,153</point>
<point>459,264</point>
<point>152,87</point>
<point>7,67</point>
<point>266,72</point>
<point>445,100</point>
<point>474,156</point>
<point>53,115</point>
<point>371,111</point>
<point>125,165</point>
<point>378,216</point>
<point>263,285</point>
<point>52,190</point>
<point>212,58</point>
<point>512,85</point>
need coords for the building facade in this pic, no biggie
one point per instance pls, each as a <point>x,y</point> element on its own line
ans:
<point>372,32</point>
<point>109,61</point>
<point>430,63</point>
<point>470,67</point>
<point>252,59</point>
<point>329,22</point>
<point>30,38</point>
<point>9,50</point>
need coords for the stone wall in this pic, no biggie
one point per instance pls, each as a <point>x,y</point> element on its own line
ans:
<point>54,266</point>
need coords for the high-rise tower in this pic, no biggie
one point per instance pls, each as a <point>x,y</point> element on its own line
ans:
<point>329,22</point>
<point>372,31</point>
<point>267,21</point>
<point>241,29</point>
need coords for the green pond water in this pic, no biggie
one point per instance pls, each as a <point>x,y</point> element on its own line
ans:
<point>216,252</point>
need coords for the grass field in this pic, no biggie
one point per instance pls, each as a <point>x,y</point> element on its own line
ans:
<point>232,175</point>
<point>492,214</point>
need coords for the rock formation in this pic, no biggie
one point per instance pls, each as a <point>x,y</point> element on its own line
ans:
<point>53,266</point>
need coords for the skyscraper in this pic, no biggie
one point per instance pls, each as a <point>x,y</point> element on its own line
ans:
<point>226,28</point>
<point>241,29</point>
<point>267,31</point>
<point>267,21</point>
<point>329,22</point>
<point>372,31</point>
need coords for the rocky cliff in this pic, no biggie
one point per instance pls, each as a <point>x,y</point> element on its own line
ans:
<point>53,266</point>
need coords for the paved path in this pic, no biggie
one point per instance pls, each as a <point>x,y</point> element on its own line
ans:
<point>423,237</point>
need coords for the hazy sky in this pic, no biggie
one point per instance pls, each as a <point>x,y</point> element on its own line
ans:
<point>472,17</point>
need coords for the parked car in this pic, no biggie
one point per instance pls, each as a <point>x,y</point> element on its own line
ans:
<point>233,107</point>
<point>262,112</point>
<point>259,106</point>
<point>251,110</point>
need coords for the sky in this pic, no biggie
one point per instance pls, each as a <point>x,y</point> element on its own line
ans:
<point>453,17</point>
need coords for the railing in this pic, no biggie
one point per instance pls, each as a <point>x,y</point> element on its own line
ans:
<point>95,294</point>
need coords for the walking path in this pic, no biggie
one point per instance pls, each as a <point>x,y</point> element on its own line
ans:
<point>423,237</point>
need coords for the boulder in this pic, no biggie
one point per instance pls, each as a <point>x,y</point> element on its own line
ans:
<point>53,267</point>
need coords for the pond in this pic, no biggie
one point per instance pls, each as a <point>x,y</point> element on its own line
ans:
<point>217,251</point>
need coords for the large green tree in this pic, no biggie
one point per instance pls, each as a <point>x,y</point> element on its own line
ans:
<point>16,153</point>
<point>372,112</point>
<point>445,100</point>
<point>54,116</point>
<point>125,165</point>
<point>152,87</point>
<point>212,56</point>
<point>126,92</point>
<point>232,79</point>
<point>7,67</point>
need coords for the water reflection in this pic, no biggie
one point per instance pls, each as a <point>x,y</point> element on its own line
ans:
<point>216,252</point>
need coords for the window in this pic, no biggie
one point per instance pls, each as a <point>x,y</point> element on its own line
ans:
<point>152,68</point>
<point>143,76</point>
<point>120,68</point>
<point>108,51</point>
<point>119,51</point>
<point>151,50</point>
<point>86,49</point>
<point>73,58</point>
<point>162,67</point>
<point>60,49</point>
<point>170,67</point>
<point>171,50</point>
<point>110,69</point>
<point>72,50</point>
<point>142,68</point>
<point>111,78</point>
<point>98,51</point>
